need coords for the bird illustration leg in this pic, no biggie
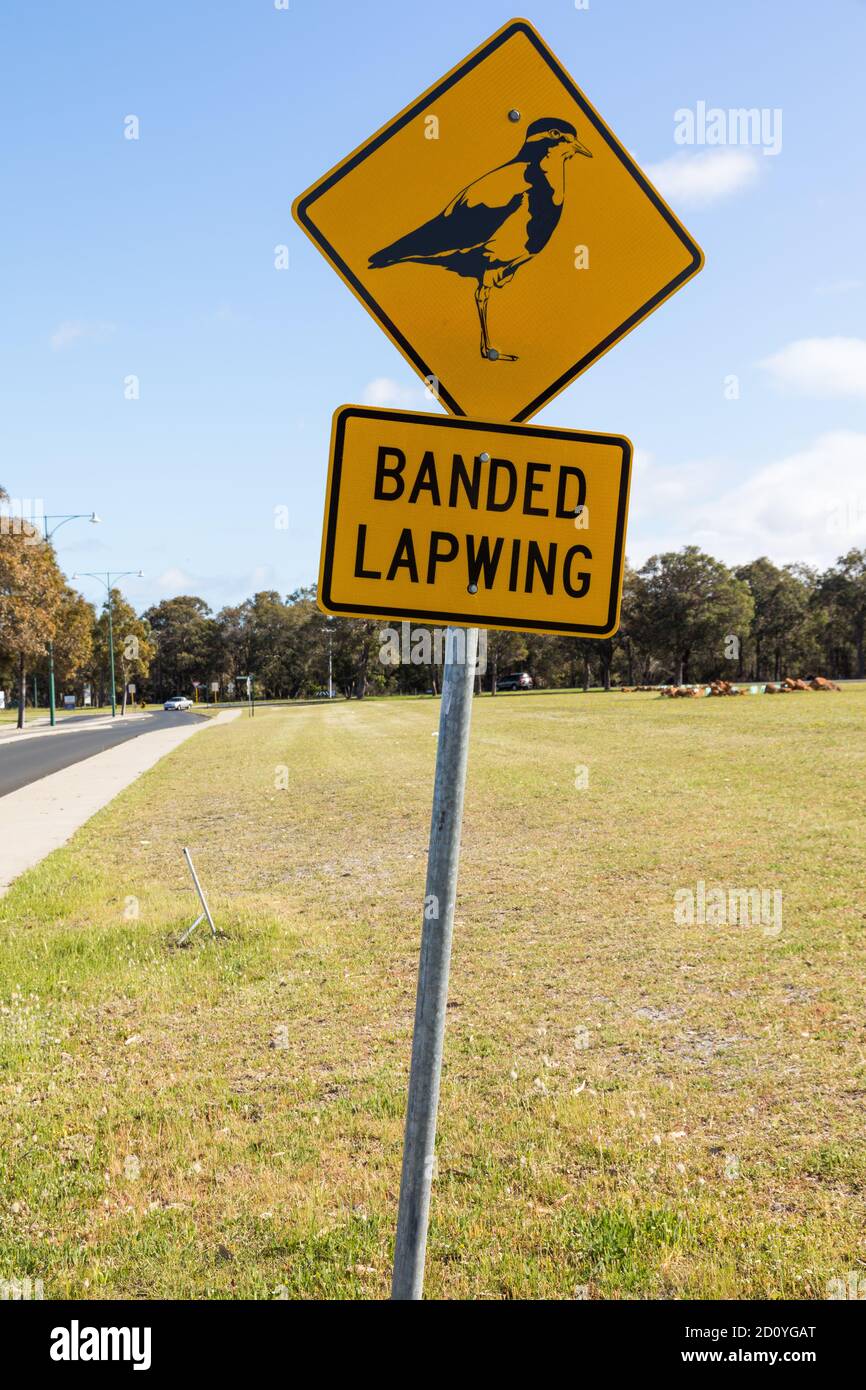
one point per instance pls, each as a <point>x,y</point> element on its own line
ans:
<point>482,295</point>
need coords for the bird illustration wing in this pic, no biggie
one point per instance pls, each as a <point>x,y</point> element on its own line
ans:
<point>469,220</point>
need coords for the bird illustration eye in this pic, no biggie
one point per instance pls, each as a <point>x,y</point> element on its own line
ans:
<point>557,134</point>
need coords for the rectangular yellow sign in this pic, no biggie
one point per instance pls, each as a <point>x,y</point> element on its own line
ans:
<point>445,519</point>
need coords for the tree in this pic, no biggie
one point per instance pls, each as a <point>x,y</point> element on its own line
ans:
<point>690,603</point>
<point>356,644</point>
<point>134,647</point>
<point>845,586</point>
<point>632,589</point>
<point>545,658</point>
<point>781,599</point>
<point>185,636</point>
<point>232,640</point>
<point>606,648</point>
<point>586,650</point>
<point>278,653</point>
<point>73,643</point>
<point>504,649</point>
<point>31,589</point>
<point>679,612</point>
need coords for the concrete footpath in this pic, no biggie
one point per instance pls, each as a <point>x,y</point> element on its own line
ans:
<point>39,818</point>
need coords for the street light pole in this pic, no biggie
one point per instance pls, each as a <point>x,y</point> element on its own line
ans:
<point>111,653</point>
<point>107,580</point>
<point>49,532</point>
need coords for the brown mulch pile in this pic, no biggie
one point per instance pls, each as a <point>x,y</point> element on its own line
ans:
<point>690,692</point>
<point>819,683</point>
<point>683,692</point>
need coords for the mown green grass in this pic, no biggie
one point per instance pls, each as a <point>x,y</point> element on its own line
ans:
<point>226,1120</point>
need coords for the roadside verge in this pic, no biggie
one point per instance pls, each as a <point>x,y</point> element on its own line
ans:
<point>39,818</point>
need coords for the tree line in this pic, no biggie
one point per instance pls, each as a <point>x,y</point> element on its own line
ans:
<point>686,617</point>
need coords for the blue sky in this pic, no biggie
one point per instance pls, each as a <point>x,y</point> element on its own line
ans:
<point>155,258</point>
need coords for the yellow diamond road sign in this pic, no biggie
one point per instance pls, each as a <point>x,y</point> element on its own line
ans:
<point>499,232</point>
<point>493,525</point>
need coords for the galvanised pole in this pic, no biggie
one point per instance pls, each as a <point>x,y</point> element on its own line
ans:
<point>52,711</point>
<point>111,651</point>
<point>107,580</point>
<point>461,650</point>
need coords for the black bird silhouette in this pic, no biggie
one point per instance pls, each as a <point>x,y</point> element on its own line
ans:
<point>499,222</point>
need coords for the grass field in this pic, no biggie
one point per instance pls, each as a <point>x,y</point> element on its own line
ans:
<point>630,1107</point>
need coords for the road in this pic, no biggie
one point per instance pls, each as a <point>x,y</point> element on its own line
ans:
<point>26,759</point>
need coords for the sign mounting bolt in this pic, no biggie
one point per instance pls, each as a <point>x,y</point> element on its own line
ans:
<point>513,115</point>
<point>484,458</point>
<point>473,589</point>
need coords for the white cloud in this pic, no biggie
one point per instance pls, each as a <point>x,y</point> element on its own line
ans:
<point>216,589</point>
<point>808,506</point>
<point>386,393</point>
<point>705,177</point>
<point>821,366</point>
<point>72,331</point>
<point>175,581</point>
<point>661,503</point>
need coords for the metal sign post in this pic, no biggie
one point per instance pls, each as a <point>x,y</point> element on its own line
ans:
<point>202,899</point>
<point>250,703</point>
<point>461,650</point>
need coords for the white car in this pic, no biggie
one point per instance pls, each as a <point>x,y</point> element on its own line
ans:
<point>178,702</point>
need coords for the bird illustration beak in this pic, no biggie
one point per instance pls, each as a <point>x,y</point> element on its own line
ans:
<point>580,149</point>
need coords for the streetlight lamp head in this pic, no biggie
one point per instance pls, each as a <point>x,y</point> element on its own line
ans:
<point>140,574</point>
<point>94,519</point>
<point>74,576</point>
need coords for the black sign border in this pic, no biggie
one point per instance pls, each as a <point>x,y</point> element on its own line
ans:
<point>303,204</point>
<point>364,610</point>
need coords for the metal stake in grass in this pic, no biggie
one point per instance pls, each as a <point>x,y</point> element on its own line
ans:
<point>461,650</point>
<point>202,899</point>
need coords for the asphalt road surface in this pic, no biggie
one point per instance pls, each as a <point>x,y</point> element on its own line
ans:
<point>31,758</point>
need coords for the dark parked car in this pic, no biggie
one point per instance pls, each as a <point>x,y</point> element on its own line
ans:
<point>518,680</point>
